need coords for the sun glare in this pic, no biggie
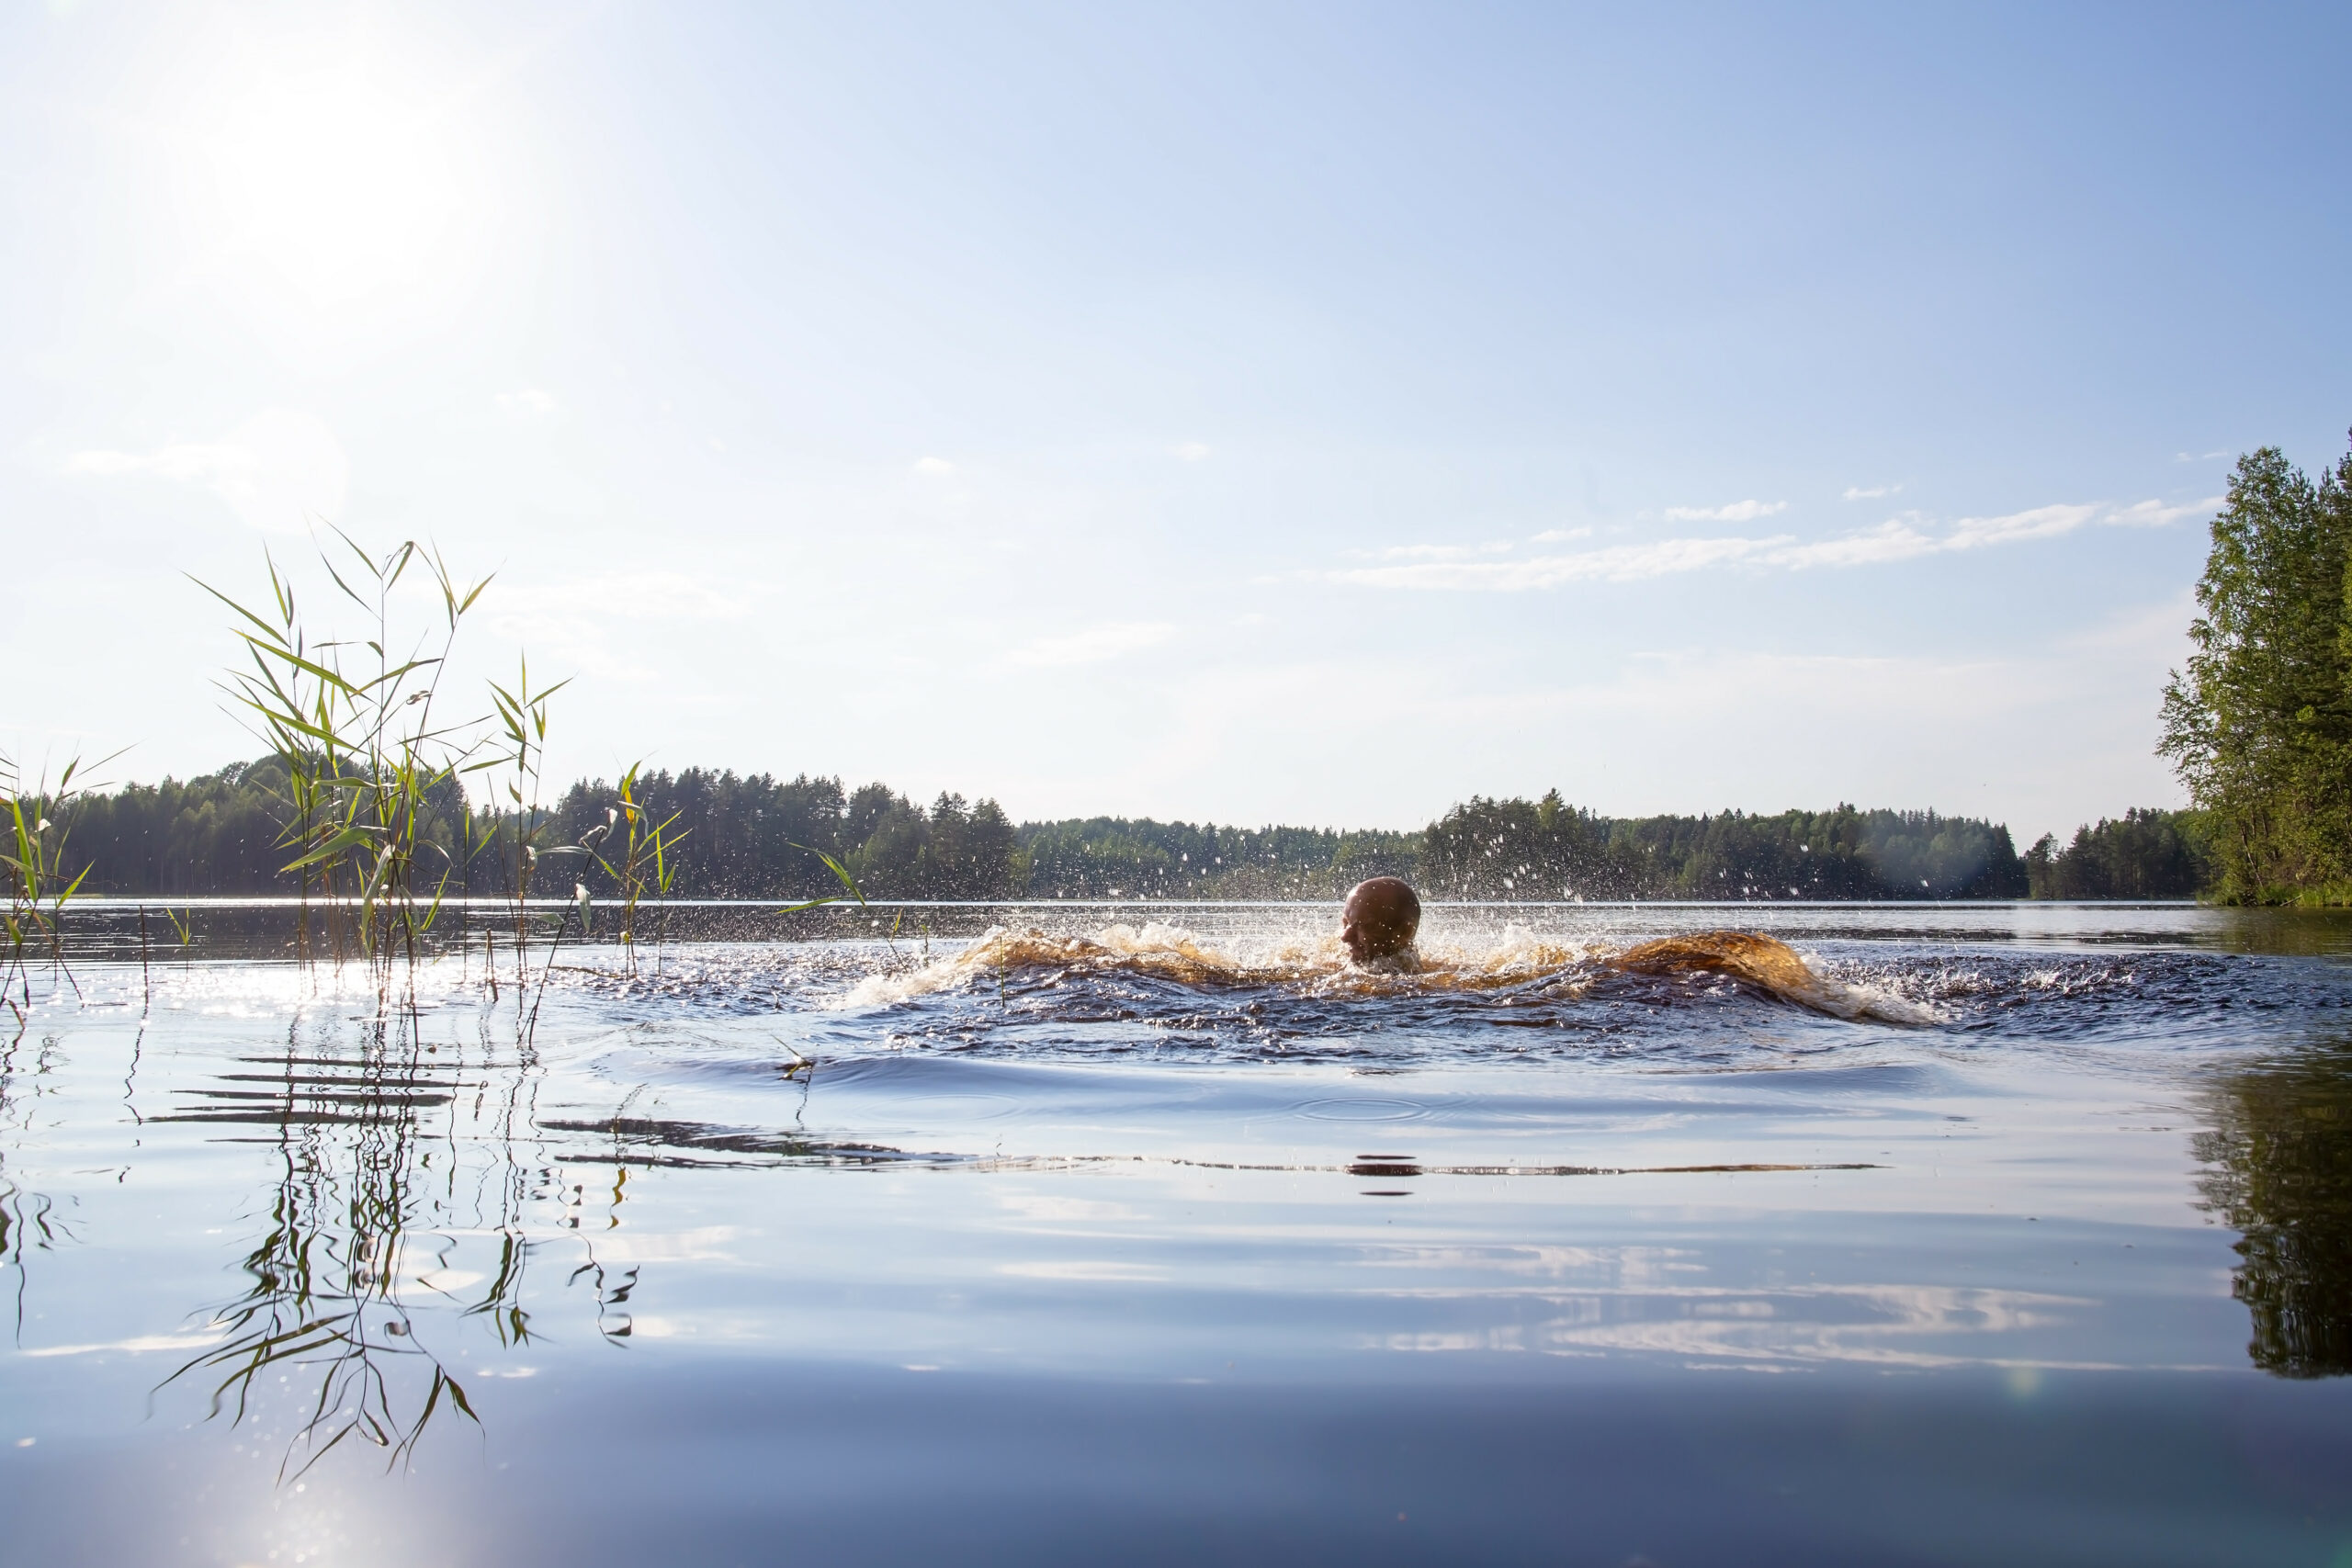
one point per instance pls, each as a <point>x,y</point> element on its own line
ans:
<point>334,181</point>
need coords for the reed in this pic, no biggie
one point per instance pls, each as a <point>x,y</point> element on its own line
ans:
<point>378,822</point>
<point>517,761</point>
<point>376,826</point>
<point>183,929</point>
<point>641,861</point>
<point>39,824</point>
<point>356,723</point>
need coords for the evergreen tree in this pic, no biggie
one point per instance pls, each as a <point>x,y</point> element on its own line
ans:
<point>2144,853</point>
<point>2259,722</point>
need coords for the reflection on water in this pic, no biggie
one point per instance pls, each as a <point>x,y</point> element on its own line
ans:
<point>29,1221</point>
<point>374,1211</point>
<point>2281,1152</point>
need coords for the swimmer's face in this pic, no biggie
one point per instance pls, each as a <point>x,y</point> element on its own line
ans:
<point>1382,917</point>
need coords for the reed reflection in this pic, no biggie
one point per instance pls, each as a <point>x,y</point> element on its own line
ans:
<point>397,1216</point>
<point>29,1221</point>
<point>2280,1158</point>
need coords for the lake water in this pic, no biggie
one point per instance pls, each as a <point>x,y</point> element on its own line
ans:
<point>812,1241</point>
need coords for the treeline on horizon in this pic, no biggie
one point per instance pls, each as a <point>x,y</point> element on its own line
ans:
<point>736,836</point>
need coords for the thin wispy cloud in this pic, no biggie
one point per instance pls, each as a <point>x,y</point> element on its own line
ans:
<point>1432,552</point>
<point>1192,451</point>
<point>1094,645</point>
<point>2040,522</point>
<point>1904,538</point>
<point>2155,514</point>
<point>1617,563</point>
<point>934,465</point>
<point>630,596</point>
<point>1736,512</point>
<point>573,621</point>
<point>191,462</point>
<point>279,470</point>
<point>1560,536</point>
<point>1872,493</point>
<point>528,402</point>
<point>1895,539</point>
<point>1900,538</point>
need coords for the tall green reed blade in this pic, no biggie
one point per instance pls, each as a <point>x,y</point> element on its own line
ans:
<point>35,862</point>
<point>354,723</point>
<point>849,890</point>
<point>643,862</point>
<point>841,874</point>
<point>519,747</point>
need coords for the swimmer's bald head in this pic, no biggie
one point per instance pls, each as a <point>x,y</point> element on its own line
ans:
<point>1382,917</point>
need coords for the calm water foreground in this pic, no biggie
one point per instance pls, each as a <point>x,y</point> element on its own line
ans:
<point>1189,1245</point>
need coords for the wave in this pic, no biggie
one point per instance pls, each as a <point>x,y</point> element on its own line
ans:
<point>1322,967</point>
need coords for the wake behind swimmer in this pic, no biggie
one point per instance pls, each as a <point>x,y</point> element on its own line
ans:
<point>1377,953</point>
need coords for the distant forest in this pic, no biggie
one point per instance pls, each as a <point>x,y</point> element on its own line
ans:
<point>754,836</point>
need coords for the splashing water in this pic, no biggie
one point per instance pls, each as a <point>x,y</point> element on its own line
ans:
<point>1323,968</point>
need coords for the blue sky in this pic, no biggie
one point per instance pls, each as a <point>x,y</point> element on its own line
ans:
<point>1251,413</point>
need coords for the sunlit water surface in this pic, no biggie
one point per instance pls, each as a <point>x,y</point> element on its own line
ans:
<point>1158,1233</point>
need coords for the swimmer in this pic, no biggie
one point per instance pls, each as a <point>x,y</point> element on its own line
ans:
<point>1382,917</point>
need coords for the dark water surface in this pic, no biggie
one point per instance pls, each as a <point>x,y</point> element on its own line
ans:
<point>2029,1241</point>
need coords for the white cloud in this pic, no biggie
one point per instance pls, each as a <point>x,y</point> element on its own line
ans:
<point>1895,539</point>
<point>1560,536</point>
<point>1432,552</point>
<point>1857,492</point>
<point>1095,645</point>
<point>529,609</point>
<point>2154,515</point>
<point>934,465</point>
<point>2039,523</point>
<point>528,402</point>
<point>659,596</point>
<point>278,471</point>
<point>1737,511</point>
<point>1618,563</point>
<point>575,622</point>
<point>1438,567</point>
<point>1192,451</point>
